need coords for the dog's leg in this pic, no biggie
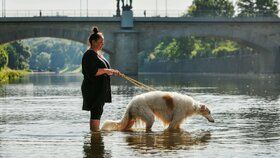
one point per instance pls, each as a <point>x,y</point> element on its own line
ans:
<point>147,116</point>
<point>129,125</point>
<point>178,117</point>
<point>175,125</point>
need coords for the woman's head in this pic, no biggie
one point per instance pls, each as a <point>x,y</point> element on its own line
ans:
<point>96,39</point>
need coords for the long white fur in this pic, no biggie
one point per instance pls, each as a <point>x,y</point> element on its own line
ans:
<point>148,105</point>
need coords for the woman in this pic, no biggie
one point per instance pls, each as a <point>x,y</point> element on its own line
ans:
<point>96,88</point>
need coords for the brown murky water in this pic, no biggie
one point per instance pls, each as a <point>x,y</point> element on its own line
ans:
<point>41,116</point>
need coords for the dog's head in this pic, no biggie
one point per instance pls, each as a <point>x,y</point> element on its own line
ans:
<point>205,112</point>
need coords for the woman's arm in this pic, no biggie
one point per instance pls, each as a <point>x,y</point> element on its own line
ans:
<point>107,71</point>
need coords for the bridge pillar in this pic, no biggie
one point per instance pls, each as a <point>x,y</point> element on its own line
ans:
<point>277,61</point>
<point>269,62</point>
<point>125,56</point>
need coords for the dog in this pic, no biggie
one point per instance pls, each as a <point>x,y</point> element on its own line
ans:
<point>169,107</point>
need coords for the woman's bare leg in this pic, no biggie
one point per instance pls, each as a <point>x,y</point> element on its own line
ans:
<point>94,125</point>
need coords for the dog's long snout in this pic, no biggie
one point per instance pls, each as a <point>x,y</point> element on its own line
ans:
<point>209,118</point>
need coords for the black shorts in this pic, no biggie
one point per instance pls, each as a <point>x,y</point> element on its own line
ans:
<point>96,112</point>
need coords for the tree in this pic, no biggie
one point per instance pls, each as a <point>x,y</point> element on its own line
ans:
<point>172,49</point>
<point>43,61</point>
<point>77,57</point>
<point>224,48</point>
<point>267,7</point>
<point>158,51</point>
<point>211,8</point>
<point>257,8</point>
<point>186,46</point>
<point>24,54</point>
<point>57,61</point>
<point>193,47</point>
<point>63,53</point>
<point>3,57</point>
<point>18,55</point>
<point>246,7</point>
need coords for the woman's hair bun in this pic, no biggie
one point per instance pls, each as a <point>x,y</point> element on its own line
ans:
<point>95,30</point>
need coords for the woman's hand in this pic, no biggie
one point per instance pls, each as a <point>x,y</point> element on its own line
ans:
<point>113,72</point>
<point>117,72</point>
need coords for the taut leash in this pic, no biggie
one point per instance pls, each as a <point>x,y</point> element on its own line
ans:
<point>137,83</point>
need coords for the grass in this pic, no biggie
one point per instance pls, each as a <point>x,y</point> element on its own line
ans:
<point>7,74</point>
<point>71,69</point>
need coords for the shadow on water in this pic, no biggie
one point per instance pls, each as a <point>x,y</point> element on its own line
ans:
<point>94,146</point>
<point>166,141</point>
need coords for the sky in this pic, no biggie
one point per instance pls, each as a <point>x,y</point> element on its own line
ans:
<point>160,5</point>
<point>94,4</point>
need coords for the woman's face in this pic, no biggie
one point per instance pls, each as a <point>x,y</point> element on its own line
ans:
<point>100,43</point>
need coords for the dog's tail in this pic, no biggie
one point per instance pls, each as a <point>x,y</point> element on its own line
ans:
<point>110,125</point>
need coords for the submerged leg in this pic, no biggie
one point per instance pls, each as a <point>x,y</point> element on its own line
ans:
<point>147,116</point>
<point>129,125</point>
<point>94,125</point>
<point>177,119</point>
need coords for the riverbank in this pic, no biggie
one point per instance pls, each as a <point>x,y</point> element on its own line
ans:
<point>71,69</point>
<point>7,74</point>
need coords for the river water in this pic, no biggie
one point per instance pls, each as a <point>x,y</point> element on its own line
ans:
<point>41,116</point>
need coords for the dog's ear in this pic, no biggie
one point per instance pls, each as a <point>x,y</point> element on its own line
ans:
<point>202,107</point>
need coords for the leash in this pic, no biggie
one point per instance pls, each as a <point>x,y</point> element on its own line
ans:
<point>137,83</point>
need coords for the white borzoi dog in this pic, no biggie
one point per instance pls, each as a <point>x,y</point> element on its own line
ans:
<point>169,107</point>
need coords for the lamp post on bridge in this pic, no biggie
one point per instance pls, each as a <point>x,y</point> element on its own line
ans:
<point>80,8</point>
<point>156,8</point>
<point>3,8</point>
<point>165,8</point>
<point>87,8</point>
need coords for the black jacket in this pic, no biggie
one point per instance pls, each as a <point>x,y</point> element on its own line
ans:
<point>96,90</point>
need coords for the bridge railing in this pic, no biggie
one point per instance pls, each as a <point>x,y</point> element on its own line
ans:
<point>56,13</point>
<point>100,13</point>
<point>89,13</point>
<point>158,13</point>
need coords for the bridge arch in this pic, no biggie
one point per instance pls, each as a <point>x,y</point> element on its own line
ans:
<point>77,35</point>
<point>256,40</point>
<point>124,43</point>
<point>259,37</point>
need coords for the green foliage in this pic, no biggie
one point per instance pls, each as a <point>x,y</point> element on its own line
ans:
<point>267,7</point>
<point>225,47</point>
<point>211,8</point>
<point>63,53</point>
<point>158,51</point>
<point>44,54</point>
<point>3,57</point>
<point>247,8</point>
<point>57,61</point>
<point>18,55</point>
<point>193,47</point>
<point>7,74</point>
<point>72,69</point>
<point>258,8</point>
<point>43,61</point>
<point>172,49</point>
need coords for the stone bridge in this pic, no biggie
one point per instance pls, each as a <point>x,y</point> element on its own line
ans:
<point>143,34</point>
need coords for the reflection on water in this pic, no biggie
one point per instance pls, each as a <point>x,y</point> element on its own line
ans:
<point>146,143</point>
<point>149,142</point>
<point>94,146</point>
<point>41,116</point>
